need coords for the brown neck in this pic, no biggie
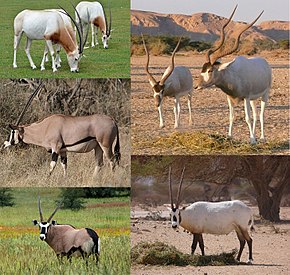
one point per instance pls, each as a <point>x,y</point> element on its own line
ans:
<point>100,23</point>
<point>68,40</point>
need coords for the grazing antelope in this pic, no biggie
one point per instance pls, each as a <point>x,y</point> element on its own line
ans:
<point>51,26</point>
<point>60,134</point>
<point>66,240</point>
<point>97,18</point>
<point>175,82</point>
<point>243,78</point>
<point>219,218</point>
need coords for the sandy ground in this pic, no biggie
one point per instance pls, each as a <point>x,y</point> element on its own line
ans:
<point>271,245</point>
<point>210,109</point>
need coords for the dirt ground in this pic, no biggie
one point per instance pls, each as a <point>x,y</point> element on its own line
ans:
<point>210,108</point>
<point>271,245</point>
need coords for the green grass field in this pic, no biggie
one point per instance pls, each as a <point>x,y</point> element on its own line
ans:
<point>97,63</point>
<point>25,253</point>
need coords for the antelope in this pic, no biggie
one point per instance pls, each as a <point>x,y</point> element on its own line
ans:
<point>60,134</point>
<point>97,19</point>
<point>246,79</point>
<point>65,239</point>
<point>175,82</point>
<point>218,218</point>
<point>51,26</point>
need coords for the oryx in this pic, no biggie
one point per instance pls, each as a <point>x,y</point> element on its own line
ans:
<point>53,27</point>
<point>65,239</point>
<point>175,82</point>
<point>246,79</point>
<point>94,14</point>
<point>60,134</point>
<point>219,218</point>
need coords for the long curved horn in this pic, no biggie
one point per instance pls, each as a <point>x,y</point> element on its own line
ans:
<point>235,47</point>
<point>51,216</point>
<point>108,27</point>
<point>147,63</point>
<point>39,209</point>
<point>179,188</point>
<point>163,79</point>
<point>170,188</point>
<point>28,103</point>
<point>222,37</point>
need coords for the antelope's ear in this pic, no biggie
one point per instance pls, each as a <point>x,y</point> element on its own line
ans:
<point>169,208</point>
<point>13,127</point>
<point>225,65</point>
<point>53,222</point>
<point>35,222</point>
<point>21,130</point>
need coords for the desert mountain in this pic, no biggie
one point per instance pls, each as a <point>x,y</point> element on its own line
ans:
<point>202,26</point>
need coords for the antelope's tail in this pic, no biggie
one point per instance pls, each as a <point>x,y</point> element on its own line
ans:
<point>117,154</point>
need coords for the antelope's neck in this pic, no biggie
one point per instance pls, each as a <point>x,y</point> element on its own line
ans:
<point>33,135</point>
<point>100,23</point>
<point>68,40</point>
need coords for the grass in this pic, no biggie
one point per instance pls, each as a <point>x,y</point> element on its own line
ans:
<point>97,63</point>
<point>201,143</point>
<point>26,254</point>
<point>162,254</point>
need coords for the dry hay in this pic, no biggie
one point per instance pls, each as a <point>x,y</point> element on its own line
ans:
<point>162,254</point>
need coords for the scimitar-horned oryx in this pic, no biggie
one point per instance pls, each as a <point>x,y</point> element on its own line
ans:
<point>60,134</point>
<point>66,240</point>
<point>246,79</point>
<point>97,19</point>
<point>53,28</point>
<point>219,218</point>
<point>175,82</point>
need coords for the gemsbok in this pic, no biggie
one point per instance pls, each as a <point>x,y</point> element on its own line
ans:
<point>219,218</point>
<point>60,134</point>
<point>54,28</point>
<point>97,19</point>
<point>66,240</point>
<point>246,79</point>
<point>175,82</point>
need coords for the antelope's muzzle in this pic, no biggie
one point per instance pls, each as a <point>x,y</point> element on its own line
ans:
<point>42,237</point>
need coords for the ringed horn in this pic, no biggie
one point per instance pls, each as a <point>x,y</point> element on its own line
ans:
<point>179,189</point>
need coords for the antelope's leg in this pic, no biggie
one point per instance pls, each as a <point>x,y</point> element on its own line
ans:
<point>201,244</point>
<point>231,117</point>
<point>57,56</point>
<point>254,109</point>
<point>99,159</point>
<point>17,39</point>
<point>176,112</point>
<point>248,120</point>
<point>93,34</point>
<point>189,108</point>
<point>194,243</point>
<point>110,156</point>
<point>263,105</point>
<point>242,244</point>
<point>161,123</point>
<point>27,51</point>
<point>249,242</point>
<point>54,157</point>
<point>51,50</point>
<point>63,161</point>
<point>42,68</point>
<point>97,43</point>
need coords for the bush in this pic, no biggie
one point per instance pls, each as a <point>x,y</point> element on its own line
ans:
<point>6,198</point>
<point>70,198</point>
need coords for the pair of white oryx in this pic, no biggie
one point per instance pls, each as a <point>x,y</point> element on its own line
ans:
<point>246,79</point>
<point>219,218</point>
<point>60,134</point>
<point>66,240</point>
<point>55,27</point>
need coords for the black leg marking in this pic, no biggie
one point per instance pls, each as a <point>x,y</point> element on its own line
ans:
<point>63,159</point>
<point>194,243</point>
<point>250,242</point>
<point>54,156</point>
<point>201,244</point>
<point>242,245</point>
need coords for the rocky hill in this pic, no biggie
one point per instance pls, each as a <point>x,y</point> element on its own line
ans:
<point>202,26</point>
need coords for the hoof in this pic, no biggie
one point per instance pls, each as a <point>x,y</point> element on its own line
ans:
<point>253,141</point>
<point>249,262</point>
<point>42,68</point>
<point>33,67</point>
<point>14,66</point>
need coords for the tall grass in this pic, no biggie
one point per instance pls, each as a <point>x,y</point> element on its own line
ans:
<point>97,63</point>
<point>26,254</point>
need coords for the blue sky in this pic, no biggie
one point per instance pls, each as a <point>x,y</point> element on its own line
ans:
<point>247,9</point>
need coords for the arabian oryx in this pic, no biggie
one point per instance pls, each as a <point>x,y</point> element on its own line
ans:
<point>94,14</point>
<point>60,134</point>
<point>51,26</point>
<point>66,240</point>
<point>219,218</point>
<point>175,82</point>
<point>243,78</point>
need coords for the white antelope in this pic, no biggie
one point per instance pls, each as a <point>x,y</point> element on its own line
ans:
<point>97,19</point>
<point>219,218</point>
<point>246,79</point>
<point>66,240</point>
<point>60,134</point>
<point>51,26</point>
<point>175,82</point>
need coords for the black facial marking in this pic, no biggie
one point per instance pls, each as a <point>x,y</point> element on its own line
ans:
<point>174,219</point>
<point>205,67</point>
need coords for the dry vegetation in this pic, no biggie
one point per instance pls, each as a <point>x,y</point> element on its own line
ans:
<point>26,165</point>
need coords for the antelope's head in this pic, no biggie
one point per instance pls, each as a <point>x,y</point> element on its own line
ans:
<point>159,86</point>
<point>44,226</point>
<point>208,75</point>
<point>174,210</point>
